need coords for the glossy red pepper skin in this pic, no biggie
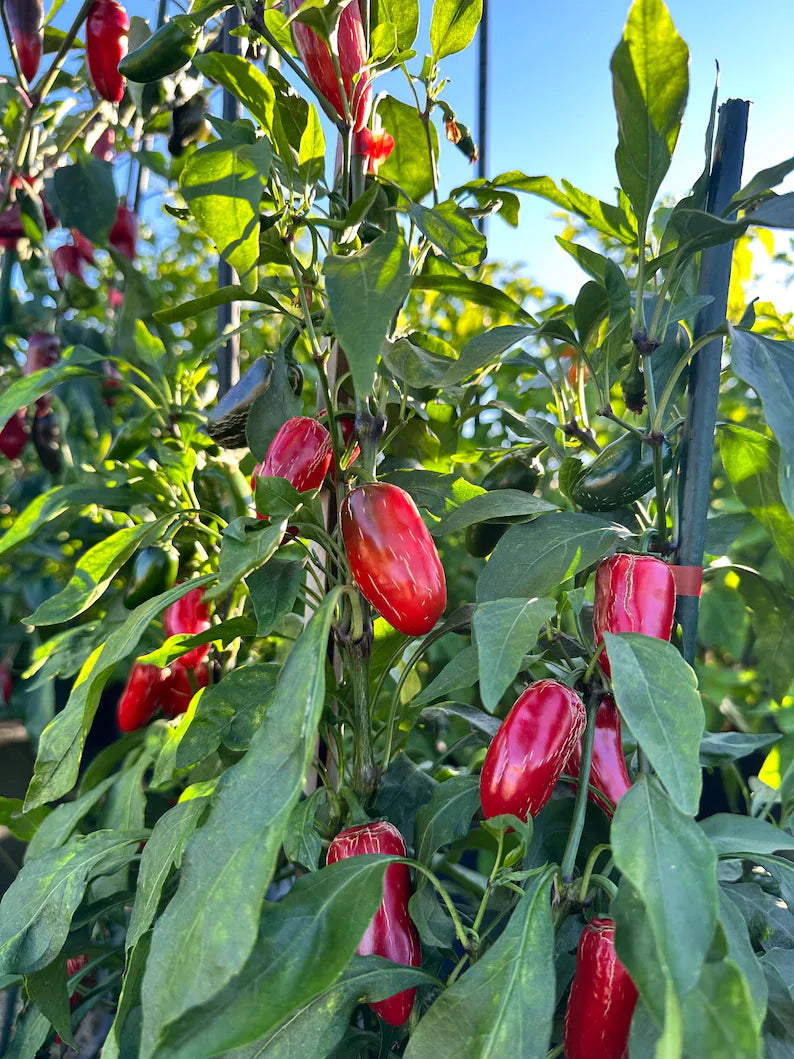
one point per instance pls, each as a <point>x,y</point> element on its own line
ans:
<point>531,749</point>
<point>175,689</point>
<point>633,593</point>
<point>352,47</point>
<point>43,351</point>
<point>189,616</point>
<point>26,22</point>
<point>13,438</point>
<point>301,452</point>
<point>602,998</point>
<point>103,147</point>
<point>67,261</point>
<point>393,558</point>
<point>391,933</point>
<point>124,232</point>
<point>85,247</point>
<point>139,700</point>
<point>608,771</point>
<point>106,29</point>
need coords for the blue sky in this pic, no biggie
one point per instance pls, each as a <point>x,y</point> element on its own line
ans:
<point>551,102</point>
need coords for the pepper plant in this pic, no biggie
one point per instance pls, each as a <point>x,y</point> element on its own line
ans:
<point>397,744</point>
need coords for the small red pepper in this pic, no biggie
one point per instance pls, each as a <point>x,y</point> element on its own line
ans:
<point>602,998</point>
<point>26,22</point>
<point>176,690</point>
<point>67,261</point>
<point>352,48</point>
<point>301,452</point>
<point>608,771</point>
<point>14,437</point>
<point>139,700</point>
<point>103,147</point>
<point>189,616</point>
<point>391,933</point>
<point>6,682</point>
<point>106,30</point>
<point>393,558</point>
<point>43,351</point>
<point>124,232</point>
<point>633,593</point>
<point>375,146</point>
<point>85,247</point>
<point>531,749</point>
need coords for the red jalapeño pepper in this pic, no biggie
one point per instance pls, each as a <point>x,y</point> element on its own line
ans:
<point>301,452</point>
<point>608,771</point>
<point>139,700</point>
<point>189,616</point>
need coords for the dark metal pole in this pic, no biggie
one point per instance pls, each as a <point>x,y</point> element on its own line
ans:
<point>228,361</point>
<point>482,102</point>
<point>704,375</point>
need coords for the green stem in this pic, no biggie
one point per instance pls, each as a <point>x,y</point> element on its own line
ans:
<point>365,773</point>
<point>11,46</point>
<point>657,312</point>
<point>484,902</point>
<point>607,413</point>
<point>595,853</point>
<point>460,931</point>
<point>593,663</point>
<point>602,883</point>
<point>658,463</point>
<point>664,400</point>
<point>639,306</point>
<point>341,86</point>
<point>9,259</point>
<point>580,805</point>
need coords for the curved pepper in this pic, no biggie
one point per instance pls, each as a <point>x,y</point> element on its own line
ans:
<point>106,30</point>
<point>482,537</point>
<point>187,124</point>
<point>226,422</point>
<point>391,933</point>
<point>608,772</point>
<point>633,593</point>
<point>14,436</point>
<point>26,22</point>
<point>602,999</point>
<point>139,700</point>
<point>124,232</point>
<point>176,690</point>
<point>47,442</point>
<point>155,571</point>
<point>393,558</point>
<point>531,749</point>
<point>6,683</point>
<point>352,47</point>
<point>189,616</point>
<point>513,472</point>
<point>170,48</point>
<point>620,473</point>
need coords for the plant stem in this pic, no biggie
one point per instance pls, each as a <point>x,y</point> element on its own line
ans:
<point>658,463</point>
<point>580,805</point>
<point>664,400</point>
<point>453,912</point>
<point>639,305</point>
<point>484,902</point>
<point>365,772</point>
<point>595,853</point>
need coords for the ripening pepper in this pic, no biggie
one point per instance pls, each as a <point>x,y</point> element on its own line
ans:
<point>124,232</point>
<point>608,770</point>
<point>6,683</point>
<point>139,700</point>
<point>168,49</point>
<point>46,434</point>
<point>155,571</point>
<point>602,999</point>
<point>175,689</point>
<point>393,558</point>
<point>67,261</point>
<point>227,420</point>
<point>375,146</point>
<point>26,22</point>
<point>188,124</point>
<point>85,247</point>
<point>14,436</point>
<point>189,616</point>
<point>352,48</point>
<point>106,29</point>
<point>633,593</point>
<point>531,749</point>
<point>103,146</point>
<point>391,933</point>
<point>301,452</point>
<point>43,351</point>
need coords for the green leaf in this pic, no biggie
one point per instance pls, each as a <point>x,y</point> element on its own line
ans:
<point>22,825</point>
<point>62,741</point>
<point>484,349</point>
<point>471,291</point>
<point>462,671</point>
<point>222,185</point>
<point>318,1024</point>
<point>447,816</point>
<point>413,364</point>
<point>778,968</point>
<point>238,702</point>
<point>450,228</point>
<point>32,1030</point>
<point>271,410</point>
<point>47,989</point>
<point>699,230</point>
<point>504,1003</point>
<point>672,867</point>
<point>536,557</point>
<point>656,692</point>
<point>273,590</point>
<point>719,1017</point>
<point>720,748</point>
<point>409,165</point>
<point>37,909</point>
<point>768,366</point>
<point>453,26</point>
<point>490,506</point>
<point>757,187</point>
<point>506,631</point>
<point>650,82</point>
<point>162,852</point>
<point>63,819</point>
<point>733,835</point>
<point>311,153</point>
<point>365,292</point>
<point>303,843</point>
<point>244,81</point>
<point>129,998</point>
<point>769,921</point>
<point>222,296</point>
<point>75,363</point>
<point>87,197</point>
<point>741,952</point>
<point>752,463</point>
<point>305,942</point>
<point>775,212</point>
<point>404,789</point>
<point>404,16</point>
<point>246,545</point>
<point>94,571</point>
<point>208,930</point>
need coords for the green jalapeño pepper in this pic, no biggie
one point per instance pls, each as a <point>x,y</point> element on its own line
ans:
<point>620,473</point>
<point>514,472</point>
<point>155,571</point>
<point>169,49</point>
<point>482,538</point>
<point>226,422</point>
